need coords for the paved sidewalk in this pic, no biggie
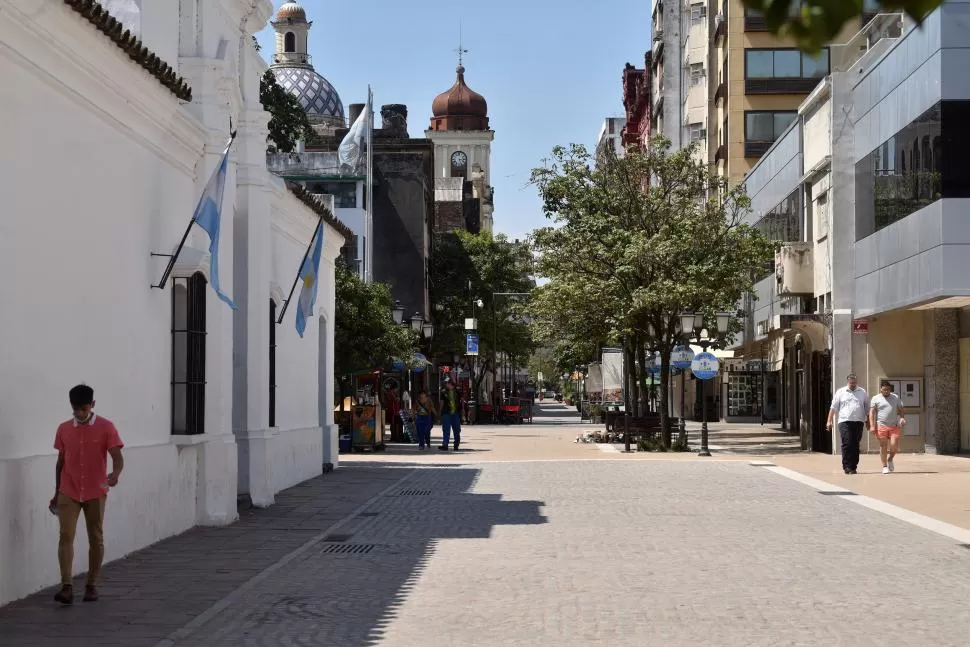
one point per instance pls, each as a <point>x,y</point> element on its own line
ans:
<point>604,554</point>
<point>156,591</point>
<point>935,486</point>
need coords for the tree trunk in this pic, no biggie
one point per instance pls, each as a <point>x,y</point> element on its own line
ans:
<point>664,396</point>
<point>644,389</point>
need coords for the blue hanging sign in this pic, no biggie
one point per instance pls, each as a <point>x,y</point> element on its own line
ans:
<point>471,344</point>
<point>681,357</point>
<point>705,366</point>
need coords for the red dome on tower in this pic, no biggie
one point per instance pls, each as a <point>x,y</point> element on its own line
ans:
<point>460,108</point>
<point>290,9</point>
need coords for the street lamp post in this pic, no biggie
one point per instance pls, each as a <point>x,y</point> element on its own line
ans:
<point>694,323</point>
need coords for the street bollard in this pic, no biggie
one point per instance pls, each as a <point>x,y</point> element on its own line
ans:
<point>626,433</point>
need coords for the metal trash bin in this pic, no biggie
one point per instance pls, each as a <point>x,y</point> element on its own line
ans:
<point>472,411</point>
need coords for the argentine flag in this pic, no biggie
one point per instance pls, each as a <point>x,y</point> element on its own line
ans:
<point>309,273</point>
<point>207,216</point>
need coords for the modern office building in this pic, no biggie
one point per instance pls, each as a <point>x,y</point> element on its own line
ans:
<point>867,192</point>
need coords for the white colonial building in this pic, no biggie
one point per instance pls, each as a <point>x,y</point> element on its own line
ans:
<point>106,150</point>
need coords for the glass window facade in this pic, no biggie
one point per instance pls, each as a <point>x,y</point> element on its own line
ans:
<point>923,162</point>
<point>782,224</point>
<point>766,126</point>
<point>784,64</point>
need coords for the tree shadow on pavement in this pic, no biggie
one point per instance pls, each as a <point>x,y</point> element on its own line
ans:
<point>283,574</point>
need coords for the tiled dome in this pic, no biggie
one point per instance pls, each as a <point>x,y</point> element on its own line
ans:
<point>290,9</point>
<point>314,92</point>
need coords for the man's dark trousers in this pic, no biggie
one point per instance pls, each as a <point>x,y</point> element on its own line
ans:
<point>851,433</point>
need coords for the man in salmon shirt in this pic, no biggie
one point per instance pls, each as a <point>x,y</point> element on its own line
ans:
<point>82,482</point>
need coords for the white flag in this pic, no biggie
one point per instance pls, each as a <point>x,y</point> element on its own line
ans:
<point>352,146</point>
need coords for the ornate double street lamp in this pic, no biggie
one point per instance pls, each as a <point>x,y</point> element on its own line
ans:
<point>704,365</point>
<point>417,323</point>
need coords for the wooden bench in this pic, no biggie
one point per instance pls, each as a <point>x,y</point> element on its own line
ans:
<point>640,426</point>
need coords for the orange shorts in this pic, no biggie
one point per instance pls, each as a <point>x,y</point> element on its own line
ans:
<point>884,432</point>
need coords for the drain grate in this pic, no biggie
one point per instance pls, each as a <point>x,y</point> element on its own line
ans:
<point>338,538</point>
<point>414,493</point>
<point>836,493</point>
<point>348,549</point>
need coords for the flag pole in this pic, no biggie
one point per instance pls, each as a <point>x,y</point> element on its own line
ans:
<point>306,255</point>
<point>369,215</point>
<point>172,258</point>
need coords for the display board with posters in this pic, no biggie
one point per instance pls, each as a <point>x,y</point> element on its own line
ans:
<point>594,383</point>
<point>612,369</point>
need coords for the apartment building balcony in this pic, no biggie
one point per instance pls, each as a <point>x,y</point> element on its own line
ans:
<point>721,92</point>
<point>754,22</point>
<point>776,85</point>
<point>720,28</point>
<point>756,148</point>
<point>720,153</point>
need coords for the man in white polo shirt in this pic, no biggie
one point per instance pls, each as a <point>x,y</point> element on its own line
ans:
<point>852,404</point>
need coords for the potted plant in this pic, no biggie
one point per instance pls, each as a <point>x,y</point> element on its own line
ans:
<point>596,414</point>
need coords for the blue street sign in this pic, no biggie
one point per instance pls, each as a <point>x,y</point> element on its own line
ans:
<point>421,361</point>
<point>705,366</point>
<point>471,344</point>
<point>681,357</point>
<point>654,365</point>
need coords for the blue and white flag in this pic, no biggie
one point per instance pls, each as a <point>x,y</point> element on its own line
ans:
<point>309,273</point>
<point>208,214</point>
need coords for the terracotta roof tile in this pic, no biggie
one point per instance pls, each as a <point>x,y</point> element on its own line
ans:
<point>320,209</point>
<point>98,16</point>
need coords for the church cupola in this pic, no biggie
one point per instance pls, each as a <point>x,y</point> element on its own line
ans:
<point>292,35</point>
<point>294,72</point>
<point>460,108</point>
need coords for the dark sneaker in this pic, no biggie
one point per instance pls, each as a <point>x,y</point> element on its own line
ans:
<point>90,593</point>
<point>456,447</point>
<point>853,472</point>
<point>65,595</point>
<point>443,448</point>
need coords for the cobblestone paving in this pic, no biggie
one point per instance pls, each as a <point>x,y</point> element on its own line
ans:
<point>155,591</point>
<point>608,553</point>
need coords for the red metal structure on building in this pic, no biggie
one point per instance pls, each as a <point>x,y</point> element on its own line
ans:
<point>637,103</point>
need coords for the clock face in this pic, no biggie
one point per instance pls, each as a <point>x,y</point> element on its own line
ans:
<point>459,159</point>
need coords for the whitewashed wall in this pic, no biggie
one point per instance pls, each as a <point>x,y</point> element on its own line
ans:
<point>104,166</point>
<point>100,169</point>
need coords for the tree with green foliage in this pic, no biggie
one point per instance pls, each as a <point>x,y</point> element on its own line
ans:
<point>626,256</point>
<point>812,24</point>
<point>365,335</point>
<point>467,268</point>
<point>288,122</point>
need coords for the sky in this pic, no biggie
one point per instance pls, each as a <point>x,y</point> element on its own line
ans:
<point>551,71</point>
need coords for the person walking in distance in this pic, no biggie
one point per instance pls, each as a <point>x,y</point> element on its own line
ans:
<point>81,484</point>
<point>886,422</point>
<point>450,415</point>
<point>424,415</point>
<point>852,404</point>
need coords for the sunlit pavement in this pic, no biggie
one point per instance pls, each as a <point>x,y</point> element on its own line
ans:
<point>528,538</point>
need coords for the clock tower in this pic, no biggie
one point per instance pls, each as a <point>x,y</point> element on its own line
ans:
<point>463,141</point>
